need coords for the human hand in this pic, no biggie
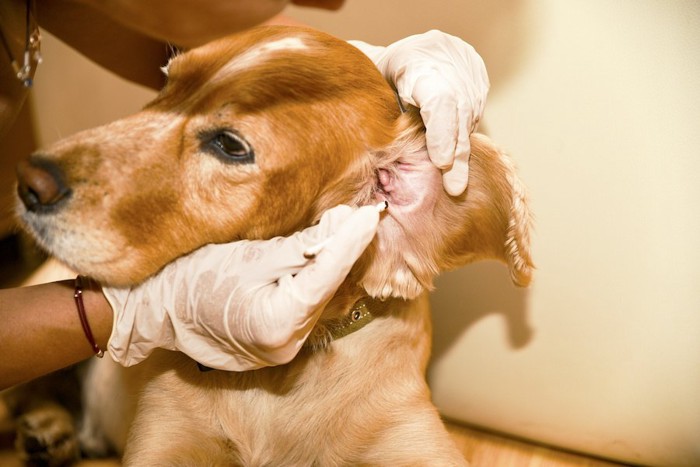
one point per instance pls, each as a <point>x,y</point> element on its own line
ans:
<point>446,78</point>
<point>242,305</point>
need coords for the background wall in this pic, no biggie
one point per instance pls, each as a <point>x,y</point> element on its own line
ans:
<point>599,103</point>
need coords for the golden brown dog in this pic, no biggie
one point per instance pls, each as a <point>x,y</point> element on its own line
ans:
<point>254,136</point>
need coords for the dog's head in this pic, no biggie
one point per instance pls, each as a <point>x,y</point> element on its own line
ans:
<point>254,136</point>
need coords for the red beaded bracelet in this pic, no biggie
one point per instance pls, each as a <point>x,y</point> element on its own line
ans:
<point>78,296</point>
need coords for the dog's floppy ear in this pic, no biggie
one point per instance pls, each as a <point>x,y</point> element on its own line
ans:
<point>493,216</point>
<point>428,231</point>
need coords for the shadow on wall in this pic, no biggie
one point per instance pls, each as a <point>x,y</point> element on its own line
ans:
<point>465,296</point>
<point>498,29</point>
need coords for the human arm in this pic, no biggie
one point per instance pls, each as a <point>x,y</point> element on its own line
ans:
<point>235,306</point>
<point>133,39</point>
<point>191,23</point>
<point>41,330</point>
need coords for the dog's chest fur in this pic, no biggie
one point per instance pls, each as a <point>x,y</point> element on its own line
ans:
<point>324,404</point>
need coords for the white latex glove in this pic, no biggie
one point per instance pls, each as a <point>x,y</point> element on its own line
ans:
<point>242,305</point>
<point>445,77</point>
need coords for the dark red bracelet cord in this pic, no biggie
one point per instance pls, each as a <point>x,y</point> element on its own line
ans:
<point>78,296</point>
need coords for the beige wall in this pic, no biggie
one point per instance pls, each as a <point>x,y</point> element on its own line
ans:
<point>72,93</point>
<point>599,103</point>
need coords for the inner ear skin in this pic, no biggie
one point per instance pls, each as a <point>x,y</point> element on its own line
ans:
<point>427,231</point>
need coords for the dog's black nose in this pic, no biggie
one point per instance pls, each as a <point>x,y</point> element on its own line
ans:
<point>40,184</point>
<point>33,445</point>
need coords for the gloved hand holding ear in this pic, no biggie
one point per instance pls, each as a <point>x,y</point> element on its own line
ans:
<point>446,78</point>
<point>242,305</point>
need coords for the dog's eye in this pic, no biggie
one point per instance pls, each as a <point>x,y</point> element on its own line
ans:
<point>230,146</point>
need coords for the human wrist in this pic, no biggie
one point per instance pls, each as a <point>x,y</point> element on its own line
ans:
<point>98,310</point>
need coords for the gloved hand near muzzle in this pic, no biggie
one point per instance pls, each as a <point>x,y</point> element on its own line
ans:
<point>242,305</point>
<point>446,78</point>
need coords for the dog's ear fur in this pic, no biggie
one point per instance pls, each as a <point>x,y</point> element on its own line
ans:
<point>441,232</point>
<point>495,219</point>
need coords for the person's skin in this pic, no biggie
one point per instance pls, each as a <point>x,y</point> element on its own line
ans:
<point>131,38</point>
<point>41,330</point>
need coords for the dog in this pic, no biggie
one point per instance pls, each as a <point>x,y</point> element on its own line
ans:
<point>254,136</point>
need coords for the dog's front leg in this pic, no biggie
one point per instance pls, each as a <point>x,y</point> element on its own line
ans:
<point>176,419</point>
<point>419,439</point>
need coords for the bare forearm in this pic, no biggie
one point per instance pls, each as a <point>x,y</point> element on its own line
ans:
<point>128,53</point>
<point>132,38</point>
<point>41,330</point>
<point>186,23</point>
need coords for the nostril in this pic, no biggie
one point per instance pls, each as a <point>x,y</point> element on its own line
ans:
<point>33,445</point>
<point>40,184</point>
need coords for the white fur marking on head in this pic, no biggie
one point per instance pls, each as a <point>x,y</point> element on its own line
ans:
<point>258,54</point>
<point>173,52</point>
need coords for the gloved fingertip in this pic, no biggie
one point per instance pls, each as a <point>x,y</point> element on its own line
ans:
<point>455,180</point>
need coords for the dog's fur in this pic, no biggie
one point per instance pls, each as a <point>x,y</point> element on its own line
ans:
<point>325,129</point>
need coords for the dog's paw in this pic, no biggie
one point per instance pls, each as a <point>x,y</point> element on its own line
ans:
<point>46,436</point>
